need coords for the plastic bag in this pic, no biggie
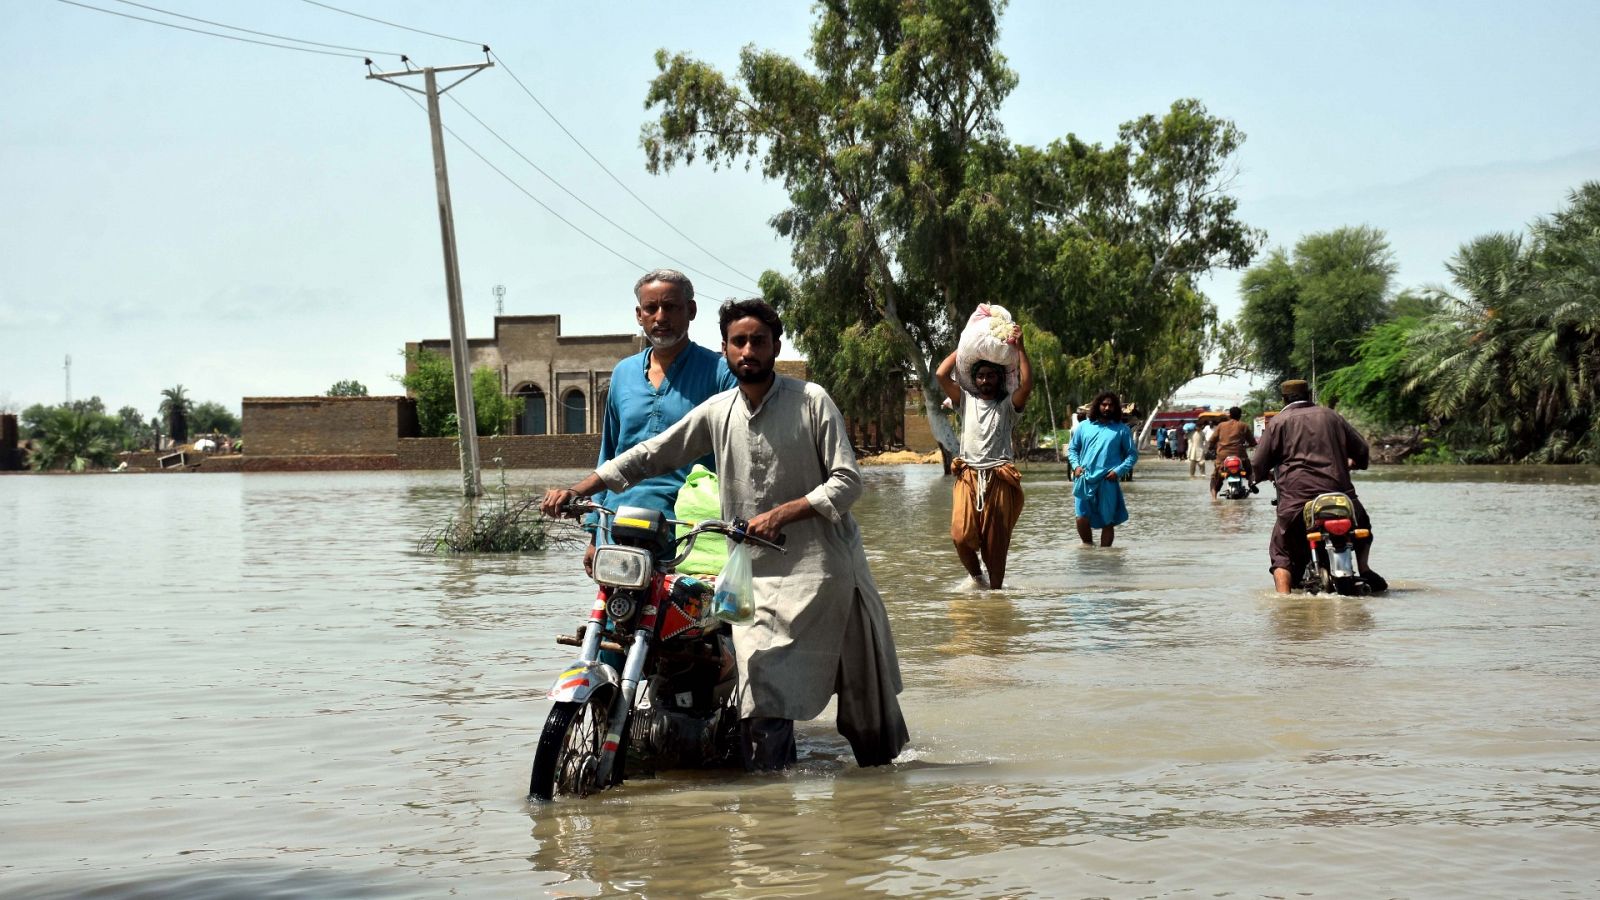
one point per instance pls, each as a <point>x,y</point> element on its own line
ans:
<point>700,499</point>
<point>735,599</point>
<point>984,338</point>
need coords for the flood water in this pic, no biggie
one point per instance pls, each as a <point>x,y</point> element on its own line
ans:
<point>252,685</point>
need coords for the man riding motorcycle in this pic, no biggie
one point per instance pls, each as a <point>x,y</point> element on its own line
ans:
<point>1309,450</point>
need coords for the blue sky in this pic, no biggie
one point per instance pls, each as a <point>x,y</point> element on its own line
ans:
<point>249,221</point>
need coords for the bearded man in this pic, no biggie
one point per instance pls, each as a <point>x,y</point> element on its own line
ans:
<point>656,387</point>
<point>987,499</point>
<point>820,629</point>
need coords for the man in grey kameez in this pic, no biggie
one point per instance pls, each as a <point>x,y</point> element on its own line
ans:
<point>784,462</point>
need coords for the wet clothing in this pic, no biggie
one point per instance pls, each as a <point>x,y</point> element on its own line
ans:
<point>820,626</point>
<point>1307,450</point>
<point>987,497</point>
<point>1233,438</point>
<point>986,430</point>
<point>985,528</point>
<point>1288,548</point>
<point>636,410</point>
<point>1100,448</point>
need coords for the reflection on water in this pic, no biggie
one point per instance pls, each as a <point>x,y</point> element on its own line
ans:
<point>253,685</point>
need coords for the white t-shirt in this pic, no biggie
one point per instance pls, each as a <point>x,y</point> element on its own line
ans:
<point>986,430</point>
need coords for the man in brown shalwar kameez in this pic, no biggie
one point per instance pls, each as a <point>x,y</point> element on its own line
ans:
<point>1308,450</point>
<point>784,462</point>
<point>987,498</point>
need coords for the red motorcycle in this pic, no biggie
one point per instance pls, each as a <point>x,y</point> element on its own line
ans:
<point>674,703</point>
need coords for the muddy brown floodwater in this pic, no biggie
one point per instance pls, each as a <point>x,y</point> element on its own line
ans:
<point>252,685</point>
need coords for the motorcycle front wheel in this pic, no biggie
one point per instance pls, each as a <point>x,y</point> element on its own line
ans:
<point>567,760</point>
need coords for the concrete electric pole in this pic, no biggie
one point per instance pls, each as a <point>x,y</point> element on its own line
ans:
<point>472,484</point>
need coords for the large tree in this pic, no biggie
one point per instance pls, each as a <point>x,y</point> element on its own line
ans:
<point>176,406</point>
<point>432,383</point>
<point>1307,313</point>
<point>908,206</point>
<point>1510,369</point>
<point>75,438</point>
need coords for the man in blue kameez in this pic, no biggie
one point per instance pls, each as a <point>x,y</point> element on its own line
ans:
<point>651,390</point>
<point>1101,455</point>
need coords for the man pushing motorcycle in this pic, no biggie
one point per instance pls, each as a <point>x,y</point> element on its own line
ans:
<point>1309,450</point>
<point>783,453</point>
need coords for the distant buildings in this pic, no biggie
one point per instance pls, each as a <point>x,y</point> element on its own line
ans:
<point>563,379</point>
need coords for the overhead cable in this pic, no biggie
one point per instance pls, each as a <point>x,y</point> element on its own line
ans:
<point>613,176</point>
<point>574,138</point>
<point>231,37</point>
<point>394,24</point>
<point>607,219</point>
<point>168,12</point>
<point>513,182</point>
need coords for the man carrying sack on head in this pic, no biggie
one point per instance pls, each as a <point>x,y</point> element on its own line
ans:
<point>988,493</point>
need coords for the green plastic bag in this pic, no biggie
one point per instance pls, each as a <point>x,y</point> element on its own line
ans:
<point>700,499</point>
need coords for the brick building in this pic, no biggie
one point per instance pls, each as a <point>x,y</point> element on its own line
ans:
<point>562,378</point>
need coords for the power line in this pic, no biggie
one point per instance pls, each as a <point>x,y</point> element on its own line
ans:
<point>231,37</point>
<point>513,182</point>
<point>586,205</point>
<point>613,176</point>
<point>395,24</point>
<point>564,130</point>
<point>281,37</point>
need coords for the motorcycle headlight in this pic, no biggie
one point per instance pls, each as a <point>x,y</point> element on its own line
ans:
<point>623,567</point>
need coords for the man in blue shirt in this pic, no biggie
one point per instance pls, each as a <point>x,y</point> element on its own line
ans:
<point>653,389</point>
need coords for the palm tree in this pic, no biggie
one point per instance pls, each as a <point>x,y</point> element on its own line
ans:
<point>1512,363</point>
<point>175,405</point>
<point>74,440</point>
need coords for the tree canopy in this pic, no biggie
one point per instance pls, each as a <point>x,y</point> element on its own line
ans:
<point>1501,365</point>
<point>1307,312</point>
<point>432,382</point>
<point>348,387</point>
<point>908,206</point>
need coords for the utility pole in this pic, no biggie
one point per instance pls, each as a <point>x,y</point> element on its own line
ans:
<point>472,484</point>
<point>68,367</point>
<point>499,300</point>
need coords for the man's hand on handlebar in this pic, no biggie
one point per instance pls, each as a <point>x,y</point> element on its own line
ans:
<point>556,501</point>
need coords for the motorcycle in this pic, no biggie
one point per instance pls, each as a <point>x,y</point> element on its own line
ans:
<point>1235,486</point>
<point>1331,530</point>
<point>673,704</point>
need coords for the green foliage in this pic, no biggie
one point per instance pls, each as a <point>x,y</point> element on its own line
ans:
<point>503,526</point>
<point>1377,382</point>
<point>214,418</point>
<point>432,382</point>
<point>136,433</point>
<point>1508,369</point>
<point>75,438</point>
<point>908,206</point>
<point>347,388</point>
<point>176,405</point>
<point>495,411</point>
<point>1307,312</point>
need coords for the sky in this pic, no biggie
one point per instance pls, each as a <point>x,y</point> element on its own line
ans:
<point>246,220</point>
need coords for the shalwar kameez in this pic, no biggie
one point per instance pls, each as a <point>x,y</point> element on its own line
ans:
<point>820,625</point>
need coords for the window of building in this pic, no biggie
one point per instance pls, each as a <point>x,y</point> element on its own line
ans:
<point>574,418</point>
<point>532,420</point>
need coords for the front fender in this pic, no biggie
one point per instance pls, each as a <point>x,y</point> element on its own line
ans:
<point>581,679</point>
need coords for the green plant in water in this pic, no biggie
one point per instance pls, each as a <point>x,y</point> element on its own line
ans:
<point>505,526</point>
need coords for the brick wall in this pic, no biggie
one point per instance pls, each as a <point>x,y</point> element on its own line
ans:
<point>323,426</point>
<point>521,451</point>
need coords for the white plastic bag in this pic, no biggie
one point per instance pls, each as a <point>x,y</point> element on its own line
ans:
<point>984,338</point>
<point>735,599</point>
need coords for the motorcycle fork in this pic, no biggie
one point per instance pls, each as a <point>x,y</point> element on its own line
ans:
<point>594,629</point>
<point>622,703</point>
